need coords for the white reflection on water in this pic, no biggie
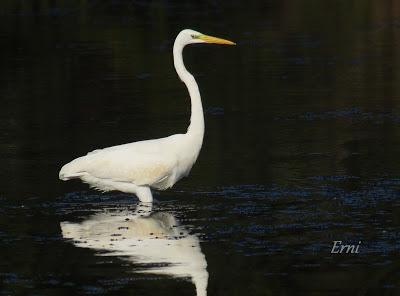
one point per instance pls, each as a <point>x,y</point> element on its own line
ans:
<point>154,240</point>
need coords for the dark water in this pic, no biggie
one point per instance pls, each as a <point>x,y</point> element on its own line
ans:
<point>301,148</point>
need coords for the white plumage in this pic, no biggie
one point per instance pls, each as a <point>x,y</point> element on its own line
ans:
<point>159,163</point>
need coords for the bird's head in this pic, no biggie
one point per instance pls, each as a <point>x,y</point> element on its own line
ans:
<point>188,36</point>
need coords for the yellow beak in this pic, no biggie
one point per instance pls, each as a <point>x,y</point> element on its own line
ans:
<point>211,39</point>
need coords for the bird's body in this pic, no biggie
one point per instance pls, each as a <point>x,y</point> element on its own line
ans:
<point>158,163</point>
<point>134,167</point>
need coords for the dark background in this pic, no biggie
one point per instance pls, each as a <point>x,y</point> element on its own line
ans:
<point>301,145</point>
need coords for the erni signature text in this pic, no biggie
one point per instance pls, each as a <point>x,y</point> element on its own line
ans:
<point>340,248</point>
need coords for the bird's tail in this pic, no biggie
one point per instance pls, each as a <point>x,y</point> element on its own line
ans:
<point>74,169</point>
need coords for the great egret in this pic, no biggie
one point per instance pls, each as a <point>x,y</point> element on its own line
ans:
<point>159,163</point>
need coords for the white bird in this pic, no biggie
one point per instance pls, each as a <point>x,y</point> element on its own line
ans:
<point>159,163</point>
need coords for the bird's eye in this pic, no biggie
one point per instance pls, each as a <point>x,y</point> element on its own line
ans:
<point>193,36</point>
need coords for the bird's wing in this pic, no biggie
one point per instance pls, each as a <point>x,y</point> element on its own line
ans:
<point>127,165</point>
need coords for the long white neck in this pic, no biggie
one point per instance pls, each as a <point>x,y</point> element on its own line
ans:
<point>196,127</point>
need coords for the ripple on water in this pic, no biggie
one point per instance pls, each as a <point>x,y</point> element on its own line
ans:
<point>303,218</point>
<point>255,221</point>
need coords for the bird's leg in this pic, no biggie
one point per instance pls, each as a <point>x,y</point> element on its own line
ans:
<point>144,194</point>
<point>143,209</point>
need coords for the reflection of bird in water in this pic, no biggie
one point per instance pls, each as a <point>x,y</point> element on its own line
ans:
<point>145,238</point>
<point>160,163</point>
